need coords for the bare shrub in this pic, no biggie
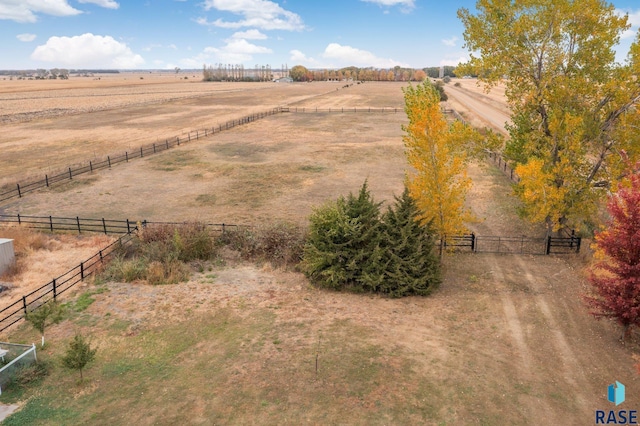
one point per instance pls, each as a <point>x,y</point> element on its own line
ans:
<point>281,244</point>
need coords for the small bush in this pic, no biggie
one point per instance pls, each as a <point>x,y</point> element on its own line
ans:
<point>32,373</point>
<point>160,253</point>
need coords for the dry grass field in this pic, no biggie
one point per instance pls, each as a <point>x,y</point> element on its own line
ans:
<point>505,340</point>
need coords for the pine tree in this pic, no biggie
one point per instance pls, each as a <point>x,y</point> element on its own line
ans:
<point>343,249</point>
<point>616,277</point>
<point>410,262</point>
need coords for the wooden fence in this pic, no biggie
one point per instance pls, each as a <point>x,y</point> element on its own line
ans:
<point>341,110</point>
<point>103,226</point>
<point>502,164</point>
<point>17,310</point>
<point>9,192</point>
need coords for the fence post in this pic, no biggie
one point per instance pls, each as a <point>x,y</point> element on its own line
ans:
<point>70,175</point>
<point>473,242</point>
<point>101,258</point>
<point>154,148</point>
<point>548,245</point>
<point>128,227</point>
<point>46,179</point>
<point>24,304</point>
<point>19,193</point>
<point>51,223</point>
<point>55,291</point>
<point>223,228</point>
<point>104,226</point>
<point>19,222</point>
<point>109,161</point>
<point>78,221</point>
<point>82,270</point>
<point>91,166</point>
<point>167,141</point>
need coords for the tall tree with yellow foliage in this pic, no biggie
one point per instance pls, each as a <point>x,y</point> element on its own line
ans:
<point>573,107</point>
<point>438,153</point>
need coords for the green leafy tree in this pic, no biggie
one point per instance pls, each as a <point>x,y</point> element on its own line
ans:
<point>44,315</point>
<point>79,354</point>
<point>411,266</point>
<point>573,106</point>
<point>343,249</point>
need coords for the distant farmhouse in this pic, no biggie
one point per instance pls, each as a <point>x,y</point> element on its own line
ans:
<point>283,80</point>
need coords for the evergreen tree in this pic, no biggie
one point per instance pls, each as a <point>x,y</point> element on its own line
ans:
<point>343,249</point>
<point>410,262</point>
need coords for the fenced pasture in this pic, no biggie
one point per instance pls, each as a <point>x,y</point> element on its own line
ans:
<point>20,188</point>
<point>91,122</point>
<point>275,168</point>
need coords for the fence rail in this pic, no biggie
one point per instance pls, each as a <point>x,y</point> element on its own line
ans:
<point>341,110</point>
<point>53,223</point>
<point>19,189</point>
<point>17,310</point>
<point>514,245</point>
<point>103,226</point>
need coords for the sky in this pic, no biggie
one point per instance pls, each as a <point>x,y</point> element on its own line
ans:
<point>165,34</point>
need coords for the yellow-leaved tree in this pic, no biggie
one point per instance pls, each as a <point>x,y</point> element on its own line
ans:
<point>574,108</point>
<point>438,153</point>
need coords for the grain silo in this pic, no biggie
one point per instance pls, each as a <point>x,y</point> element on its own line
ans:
<point>7,255</point>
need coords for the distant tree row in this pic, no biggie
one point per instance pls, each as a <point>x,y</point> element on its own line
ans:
<point>237,72</point>
<point>301,73</point>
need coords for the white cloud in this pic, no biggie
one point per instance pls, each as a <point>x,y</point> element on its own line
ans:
<point>26,37</point>
<point>633,19</point>
<point>347,55</point>
<point>153,46</point>
<point>406,5</point>
<point>250,35</point>
<point>454,62</point>
<point>299,58</point>
<point>26,10</point>
<point>87,51</point>
<point>450,41</point>
<point>109,4</point>
<point>237,51</point>
<point>262,14</point>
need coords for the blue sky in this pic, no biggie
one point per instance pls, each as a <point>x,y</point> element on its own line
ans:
<point>164,34</point>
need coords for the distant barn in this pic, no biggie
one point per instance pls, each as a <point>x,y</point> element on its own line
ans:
<point>283,80</point>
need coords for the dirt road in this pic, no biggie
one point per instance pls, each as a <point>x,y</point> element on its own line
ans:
<point>480,108</point>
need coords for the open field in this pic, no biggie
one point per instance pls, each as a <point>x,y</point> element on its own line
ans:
<point>49,126</point>
<point>505,340</point>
